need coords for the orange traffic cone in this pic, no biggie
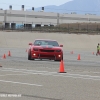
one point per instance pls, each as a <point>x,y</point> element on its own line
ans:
<point>9,54</point>
<point>79,57</point>
<point>4,56</point>
<point>61,67</point>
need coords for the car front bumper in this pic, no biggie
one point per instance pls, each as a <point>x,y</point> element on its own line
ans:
<point>43,55</point>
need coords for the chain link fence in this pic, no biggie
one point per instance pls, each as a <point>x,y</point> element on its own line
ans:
<point>84,28</point>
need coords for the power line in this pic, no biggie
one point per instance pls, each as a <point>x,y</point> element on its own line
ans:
<point>73,10</point>
<point>51,8</point>
<point>13,4</point>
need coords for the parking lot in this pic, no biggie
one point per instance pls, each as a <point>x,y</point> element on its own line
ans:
<point>41,80</point>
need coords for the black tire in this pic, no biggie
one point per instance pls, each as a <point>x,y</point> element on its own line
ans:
<point>59,60</point>
<point>62,58</point>
<point>29,56</point>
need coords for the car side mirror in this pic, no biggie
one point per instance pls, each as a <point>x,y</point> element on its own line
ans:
<point>30,43</point>
<point>61,45</point>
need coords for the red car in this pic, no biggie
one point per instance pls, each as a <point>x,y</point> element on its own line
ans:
<point>45,49</point>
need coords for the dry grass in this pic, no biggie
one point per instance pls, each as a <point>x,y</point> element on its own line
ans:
<point>92,26</point>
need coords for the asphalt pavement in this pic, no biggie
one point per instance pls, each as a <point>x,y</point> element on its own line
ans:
<point>21,79</point>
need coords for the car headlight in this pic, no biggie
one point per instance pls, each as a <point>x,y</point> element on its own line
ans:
<point>58,50</point>
<point>35,49</point>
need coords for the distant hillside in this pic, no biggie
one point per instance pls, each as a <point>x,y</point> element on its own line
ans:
<point>78,6</point>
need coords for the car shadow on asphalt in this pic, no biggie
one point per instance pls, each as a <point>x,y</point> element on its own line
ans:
<point>43,60</point>
<point>31,96</point>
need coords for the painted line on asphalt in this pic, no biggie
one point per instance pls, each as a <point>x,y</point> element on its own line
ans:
<point>84,75</point>
<point>13,69</point>
<point>13,74</point>
<point>61,74</point>
<point>29,73</point>
<point>79,77</point>
<point>4,81</point>
<point>24,69</point>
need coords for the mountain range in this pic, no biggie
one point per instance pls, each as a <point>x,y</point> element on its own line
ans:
<point>74,6</point>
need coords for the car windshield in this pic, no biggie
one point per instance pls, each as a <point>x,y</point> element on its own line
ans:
<point>46,42</point>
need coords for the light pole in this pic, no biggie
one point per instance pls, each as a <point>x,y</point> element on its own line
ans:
<point>88,18</point>
<point>25,19</point>
<point>62,18</point>
<point>10,20</point>
<point>88,24</point>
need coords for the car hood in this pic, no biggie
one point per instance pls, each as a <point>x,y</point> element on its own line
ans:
<point>47,47</point>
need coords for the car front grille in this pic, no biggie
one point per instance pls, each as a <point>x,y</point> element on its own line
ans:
<point>42,50</point>
<point>47,56</point>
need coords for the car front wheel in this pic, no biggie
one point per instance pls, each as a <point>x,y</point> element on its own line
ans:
<point>29,55</point>
<point>60,59</point>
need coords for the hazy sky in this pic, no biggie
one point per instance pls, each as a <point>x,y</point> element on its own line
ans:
<point>16,4</point>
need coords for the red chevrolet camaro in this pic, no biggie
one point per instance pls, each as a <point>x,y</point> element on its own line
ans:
<point>45,49</point>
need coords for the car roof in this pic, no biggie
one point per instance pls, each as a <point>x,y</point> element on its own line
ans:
<point>45,39</point>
